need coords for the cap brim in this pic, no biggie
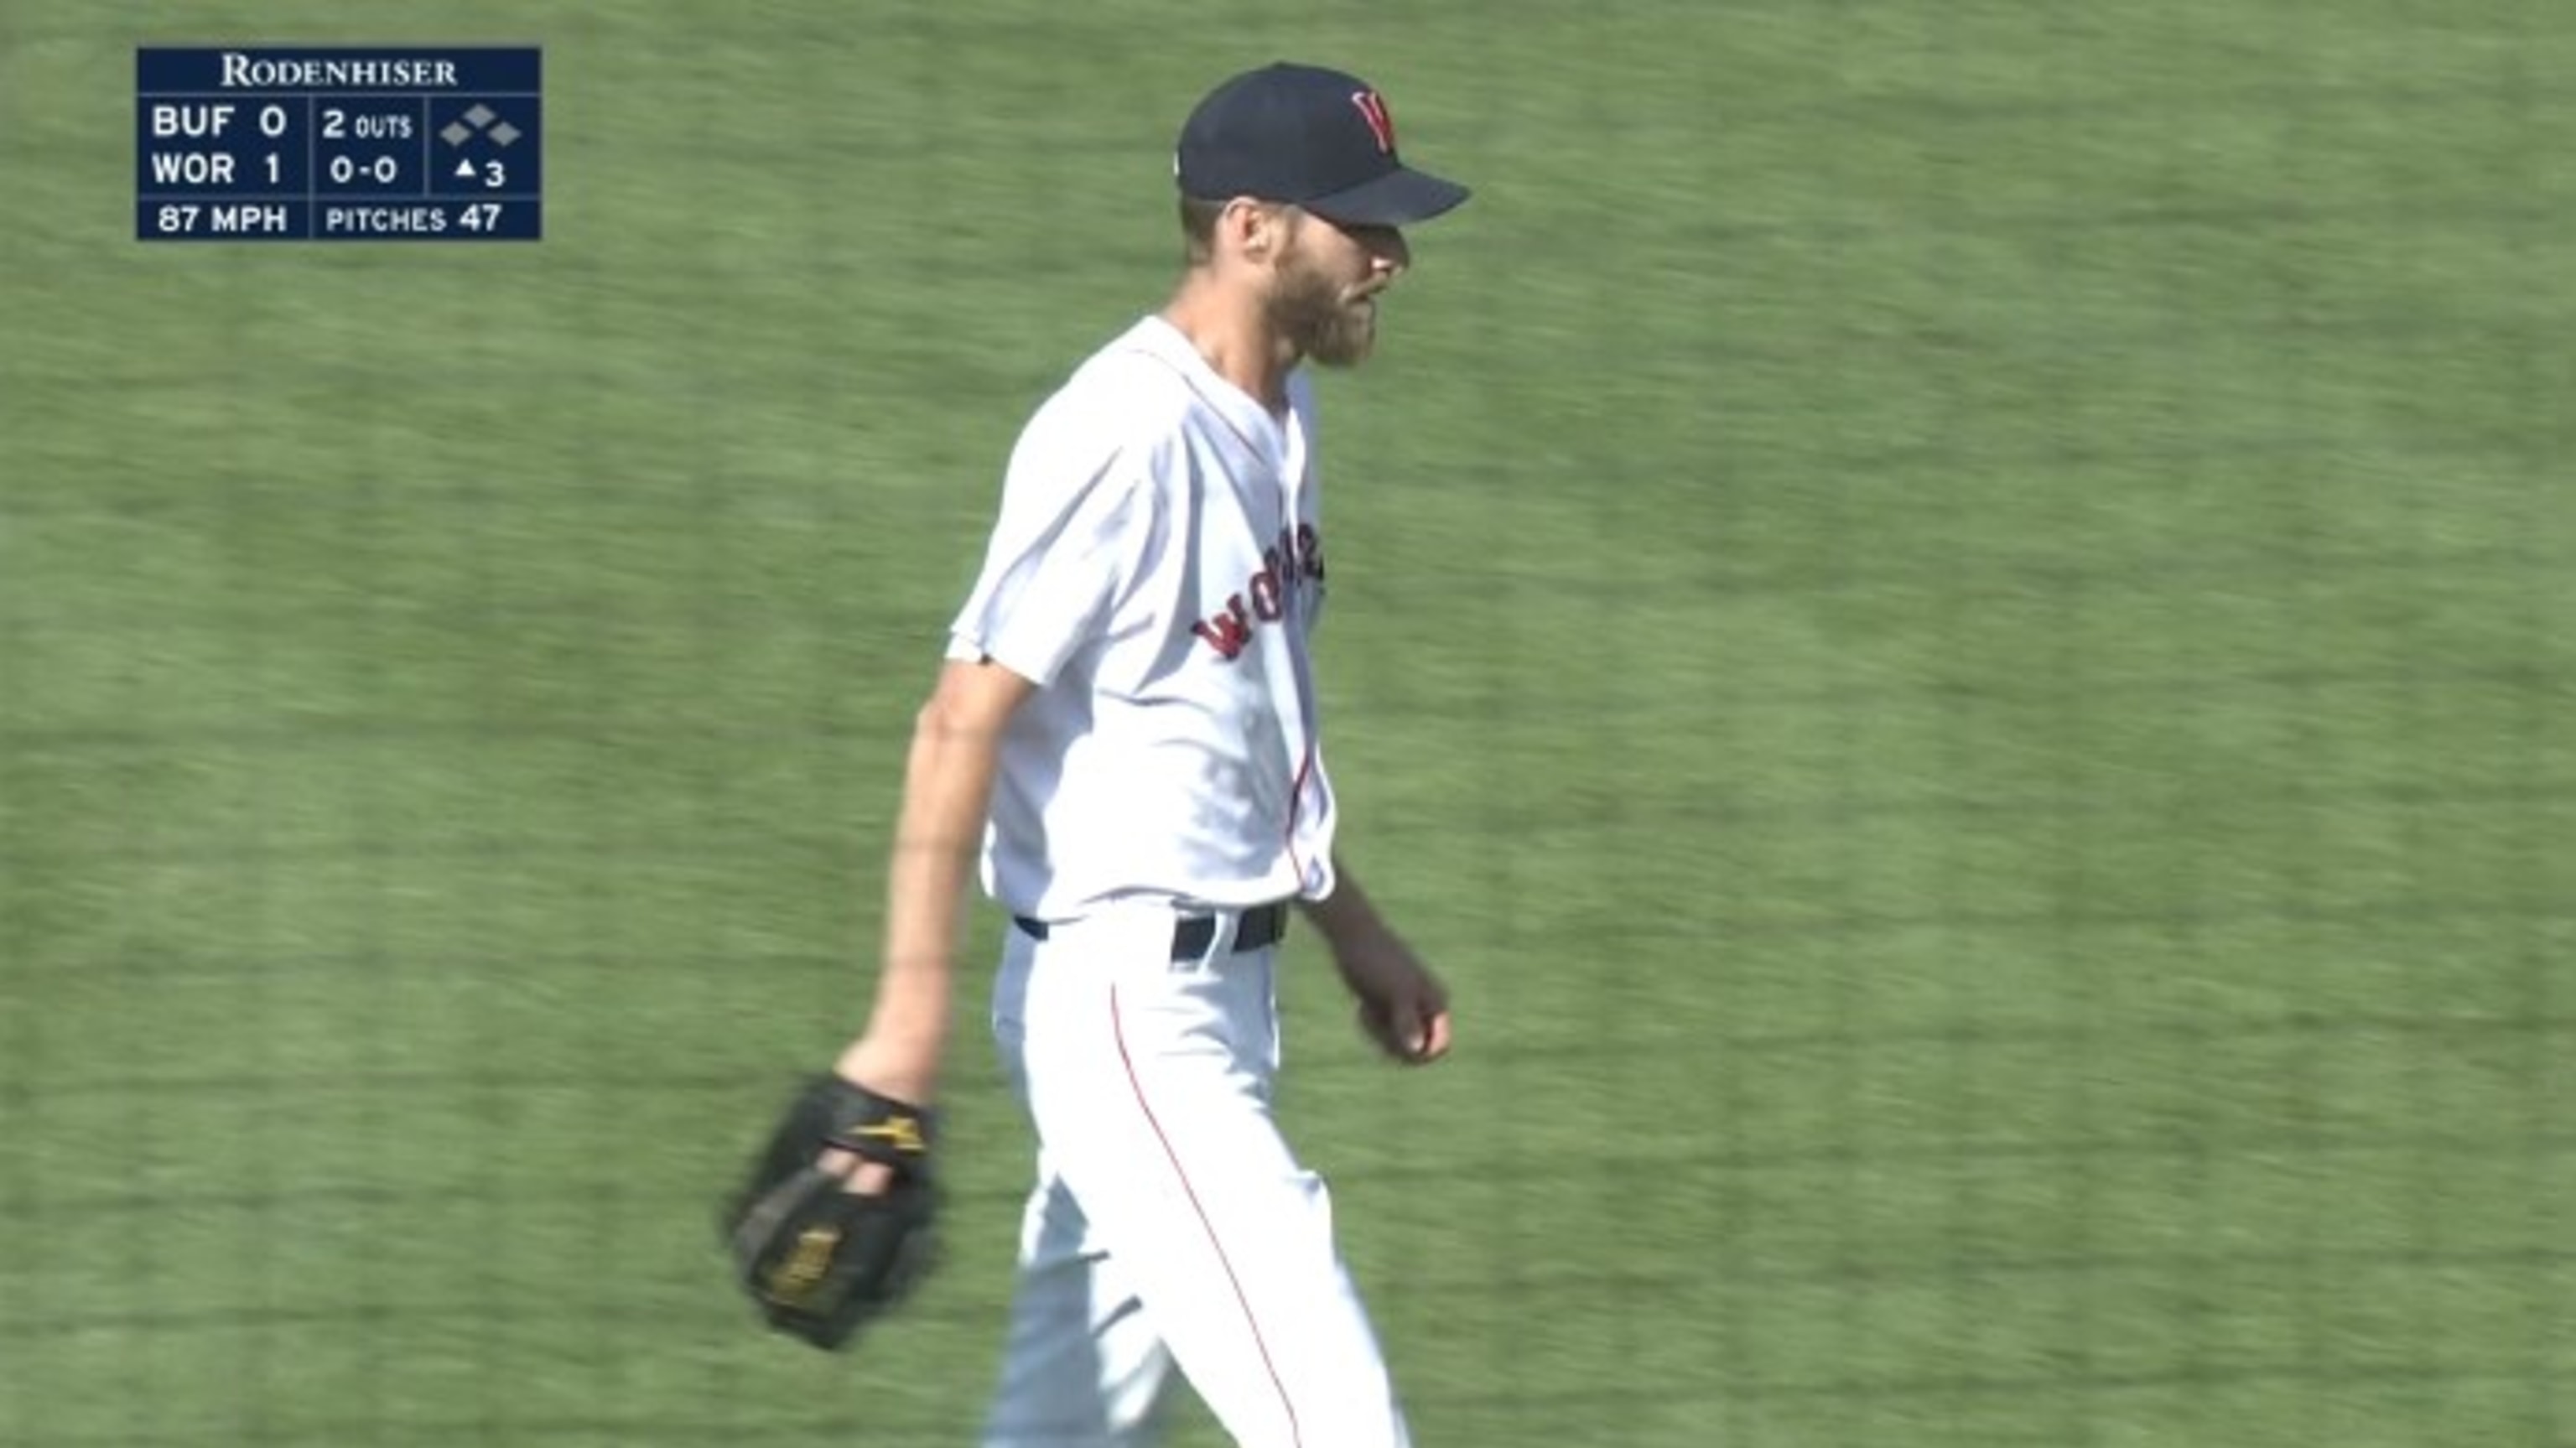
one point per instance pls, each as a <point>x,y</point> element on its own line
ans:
<point>1401,197</point>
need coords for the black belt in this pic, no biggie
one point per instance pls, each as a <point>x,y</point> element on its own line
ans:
<point>1259,926</point>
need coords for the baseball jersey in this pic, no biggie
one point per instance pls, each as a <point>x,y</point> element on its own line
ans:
<point>1156,568</point>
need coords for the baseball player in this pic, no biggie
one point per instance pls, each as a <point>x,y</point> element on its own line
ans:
<point>1126,722</point>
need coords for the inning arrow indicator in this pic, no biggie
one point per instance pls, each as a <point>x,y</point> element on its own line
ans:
<point>465,169</point>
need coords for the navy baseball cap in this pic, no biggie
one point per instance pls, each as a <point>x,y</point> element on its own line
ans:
<point>1300,133</point>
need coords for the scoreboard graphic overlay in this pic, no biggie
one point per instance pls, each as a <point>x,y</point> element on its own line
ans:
<point>335,144</point>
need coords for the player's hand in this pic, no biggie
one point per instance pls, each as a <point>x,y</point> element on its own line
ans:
<point>1402,1005</point>
<point>888,1069</point>
<point>819,1257</point>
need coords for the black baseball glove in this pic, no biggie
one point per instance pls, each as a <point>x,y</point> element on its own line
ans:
<point>819,1258</point>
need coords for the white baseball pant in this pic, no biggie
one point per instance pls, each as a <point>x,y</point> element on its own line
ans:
<point>1170,1224</point>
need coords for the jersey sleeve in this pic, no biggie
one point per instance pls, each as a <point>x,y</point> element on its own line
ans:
<point>1075,531</point>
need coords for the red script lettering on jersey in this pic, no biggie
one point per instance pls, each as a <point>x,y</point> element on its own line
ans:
<point>1298,554</point>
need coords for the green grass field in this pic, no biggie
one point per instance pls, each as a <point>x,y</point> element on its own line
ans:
<point>1956,622</point>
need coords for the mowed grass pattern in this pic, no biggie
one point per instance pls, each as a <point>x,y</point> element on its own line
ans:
<point>1955,622</point>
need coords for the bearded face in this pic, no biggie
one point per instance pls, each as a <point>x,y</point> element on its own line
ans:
<point>1329,319</point>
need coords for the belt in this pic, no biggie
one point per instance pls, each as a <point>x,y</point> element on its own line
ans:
<point>1259,926</point>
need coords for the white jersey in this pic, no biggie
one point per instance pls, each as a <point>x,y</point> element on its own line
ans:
<point>1156,568</point>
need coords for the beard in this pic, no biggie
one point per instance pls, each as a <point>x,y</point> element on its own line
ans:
<point>1314,314</point>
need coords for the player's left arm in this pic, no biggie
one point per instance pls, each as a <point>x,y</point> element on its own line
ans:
<point>1402,1005</point>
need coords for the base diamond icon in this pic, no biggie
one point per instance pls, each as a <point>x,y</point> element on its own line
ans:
<point>456,134</point>
<point>503,134</point>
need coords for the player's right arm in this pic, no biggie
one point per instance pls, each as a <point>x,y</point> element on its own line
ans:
<point>947,793</point>
<point>1077,516</point>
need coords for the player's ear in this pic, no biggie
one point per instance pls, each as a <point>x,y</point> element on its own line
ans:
<point>1255,230</point>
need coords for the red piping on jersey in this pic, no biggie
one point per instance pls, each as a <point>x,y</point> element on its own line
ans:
<point>1118,1029</point>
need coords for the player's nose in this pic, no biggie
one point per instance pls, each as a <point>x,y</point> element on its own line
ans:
<point>1392,253</point>
<point>1386,250</point>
